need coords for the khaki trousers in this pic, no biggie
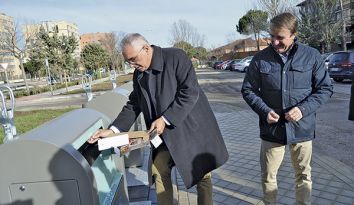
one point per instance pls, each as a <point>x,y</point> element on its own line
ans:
<point>161,171</point>
<point>272,155</point>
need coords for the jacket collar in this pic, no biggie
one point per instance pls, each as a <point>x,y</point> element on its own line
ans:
<point>157,59</point>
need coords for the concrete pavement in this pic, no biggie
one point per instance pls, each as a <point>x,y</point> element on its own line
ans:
<point>238,181</point>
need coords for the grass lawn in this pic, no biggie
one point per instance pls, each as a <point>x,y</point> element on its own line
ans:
<point>28,120</point>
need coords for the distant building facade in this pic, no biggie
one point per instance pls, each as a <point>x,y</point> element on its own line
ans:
<point>99,38</point>
<point>61,28</point>
<point>239,49</point>
<point>13,69</point>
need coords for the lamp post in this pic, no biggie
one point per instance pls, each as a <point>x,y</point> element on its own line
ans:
<point>49,77</point>
<point>4,66</point>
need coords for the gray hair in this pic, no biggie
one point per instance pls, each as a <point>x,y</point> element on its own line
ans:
<point>134,40</point>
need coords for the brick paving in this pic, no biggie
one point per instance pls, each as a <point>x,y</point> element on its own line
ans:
<point>238,181</point>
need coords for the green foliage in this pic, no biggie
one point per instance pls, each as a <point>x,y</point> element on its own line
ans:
<point>33,67</point>
<point>317,26</point>
<point>197,52</point>
<point>26,121</point>
<point>59,51</point>
<point>201,53</point>
<point>37,54</point>
<point>187,47</point>
<point>253,22</point>
<point>94,56</point>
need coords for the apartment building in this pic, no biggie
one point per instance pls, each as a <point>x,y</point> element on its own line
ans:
<point>61,28</point>
<point>13,69</point>
<point>239,48</point>
<point>100,38</point>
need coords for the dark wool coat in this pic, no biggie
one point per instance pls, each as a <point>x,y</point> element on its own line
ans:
<point>170,88</point>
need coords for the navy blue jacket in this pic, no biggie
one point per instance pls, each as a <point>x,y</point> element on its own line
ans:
<point>302,82</point>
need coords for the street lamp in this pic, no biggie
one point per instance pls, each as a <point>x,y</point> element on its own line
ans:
<point>4,66</point>
<point>49,77</point>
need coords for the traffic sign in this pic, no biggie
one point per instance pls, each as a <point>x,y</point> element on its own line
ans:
<point>4,65</point>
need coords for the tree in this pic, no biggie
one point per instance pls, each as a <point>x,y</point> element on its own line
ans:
<point>254,22</point>
<point>317,26</point>
<point>14,42</point>
<point>59,52</point>
<point>183,31</point>
<point>111,43</point>
<point>94,56</point>
<point>275,7</point>
<point>187,47</point>
<point>201,53</point>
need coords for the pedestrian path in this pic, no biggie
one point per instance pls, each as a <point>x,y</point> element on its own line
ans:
<point>238,181</point>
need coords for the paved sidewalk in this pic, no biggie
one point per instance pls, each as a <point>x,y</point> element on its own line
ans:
<point>238,181</point>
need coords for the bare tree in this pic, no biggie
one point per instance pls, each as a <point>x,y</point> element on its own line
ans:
<point>275,7</point>
<point>111,43</point>
<point>344,32</point>
<point>183,31</point>
<point>15,42</point>
<point>317,26</point>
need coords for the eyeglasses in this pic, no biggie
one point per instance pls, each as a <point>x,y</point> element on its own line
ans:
<point>132,61</point>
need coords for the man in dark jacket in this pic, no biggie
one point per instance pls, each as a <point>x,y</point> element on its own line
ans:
<point>285,84</point>
<point>167,92</point>
<point>351,102</point>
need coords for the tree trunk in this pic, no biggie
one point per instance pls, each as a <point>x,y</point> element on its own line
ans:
<point>257,40</point>
<point>24,74</point>
<point>66,82</point>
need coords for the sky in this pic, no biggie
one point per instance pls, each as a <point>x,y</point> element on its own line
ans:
<point>215,19</point>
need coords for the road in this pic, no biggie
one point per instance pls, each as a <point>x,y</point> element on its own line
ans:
<point>334,133</point>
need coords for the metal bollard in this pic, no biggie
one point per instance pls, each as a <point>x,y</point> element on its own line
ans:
<point>86,85</point>
<point>113,77</point>
<point>7,114</point>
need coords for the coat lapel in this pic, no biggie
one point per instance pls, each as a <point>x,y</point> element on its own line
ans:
<point>145,94</point>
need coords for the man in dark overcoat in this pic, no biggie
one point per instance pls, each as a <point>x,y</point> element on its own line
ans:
<point>167,92</point>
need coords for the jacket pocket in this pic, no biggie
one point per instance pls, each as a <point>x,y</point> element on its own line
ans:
<point>302,76</point>
<point>270,77</point>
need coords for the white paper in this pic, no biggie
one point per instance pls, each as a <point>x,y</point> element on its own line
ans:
<point>111,142</point>
<point>156,140</point>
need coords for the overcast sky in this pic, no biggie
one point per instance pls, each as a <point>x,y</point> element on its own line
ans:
<point>216,19</point>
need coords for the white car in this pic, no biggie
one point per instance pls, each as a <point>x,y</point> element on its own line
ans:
<point>242,66</point>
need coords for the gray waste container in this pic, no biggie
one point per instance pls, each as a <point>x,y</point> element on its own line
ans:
<point>111,103</point>
<point>53,164</point>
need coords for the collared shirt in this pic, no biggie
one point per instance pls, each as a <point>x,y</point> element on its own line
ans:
<point>284,57</point>
<point>145,82</point>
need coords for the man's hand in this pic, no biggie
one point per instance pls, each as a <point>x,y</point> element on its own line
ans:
<point>101,133</point>
<point>272,117</point>
<point>293,115</point>
<point>159,124</point>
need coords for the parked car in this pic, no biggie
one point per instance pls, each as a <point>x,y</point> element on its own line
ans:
<point>233,63</point>
<point>216,63</point>
<point>225,65</point>
<point>341,65</point>
<point>220,66</point>
<point>242,66</point>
